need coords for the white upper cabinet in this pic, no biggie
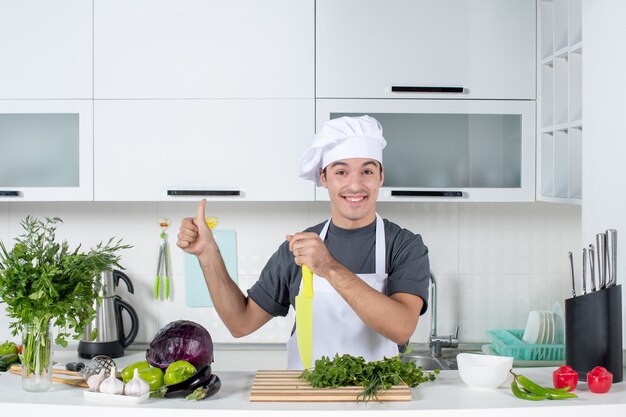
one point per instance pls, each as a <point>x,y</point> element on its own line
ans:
<point>483,48</point>
<point>46,150</point>
<point>204,49</point>
<point>222,150</point>
<point>449,150</point>
<point>46,49</point>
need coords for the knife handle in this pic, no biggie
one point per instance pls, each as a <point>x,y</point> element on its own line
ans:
<point>307,282</point>
<point>571,271</point>
<point>601,255</point>
<point>611,255</point>
<point>584,282</point>
<point>592,269</point>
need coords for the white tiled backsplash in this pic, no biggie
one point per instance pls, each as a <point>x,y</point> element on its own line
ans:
<point>494,261</point>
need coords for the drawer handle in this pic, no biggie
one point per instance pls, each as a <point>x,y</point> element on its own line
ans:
<point>10,193</point>
<point>417,89</point>
<point>409,193</point>
<point>212,193</point>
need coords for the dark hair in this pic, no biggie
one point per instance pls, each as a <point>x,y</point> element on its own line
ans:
<point>380,165</point>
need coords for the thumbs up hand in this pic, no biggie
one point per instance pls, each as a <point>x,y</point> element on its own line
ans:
<point>195,236</point>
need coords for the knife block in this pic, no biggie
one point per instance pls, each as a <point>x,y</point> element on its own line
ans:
<point>593,332</point>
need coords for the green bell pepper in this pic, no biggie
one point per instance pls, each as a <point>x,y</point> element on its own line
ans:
<point>153,376</point>
<point>129,371</point>
<point>178,371</point>
<point>8,348</point>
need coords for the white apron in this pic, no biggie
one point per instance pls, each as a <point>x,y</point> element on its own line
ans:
<point>336,327</point>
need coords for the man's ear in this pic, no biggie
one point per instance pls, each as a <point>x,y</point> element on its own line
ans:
<point>382,175</point>
<point>323,178</point>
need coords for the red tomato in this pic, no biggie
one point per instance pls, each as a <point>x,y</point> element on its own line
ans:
<point>19,349</point>
<point>599,380</point>
<point>565,376</point>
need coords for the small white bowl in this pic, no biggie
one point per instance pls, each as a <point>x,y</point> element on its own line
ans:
<point>484,371</point>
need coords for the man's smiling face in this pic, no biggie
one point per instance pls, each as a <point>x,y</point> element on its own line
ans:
<point>353,186</point>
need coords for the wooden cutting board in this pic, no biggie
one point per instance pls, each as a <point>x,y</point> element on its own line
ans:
<point>278,386</point>
<point>78,381</point>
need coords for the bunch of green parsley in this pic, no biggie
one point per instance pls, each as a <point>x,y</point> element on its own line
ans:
<point>374,377</point>
<point>43,281</point>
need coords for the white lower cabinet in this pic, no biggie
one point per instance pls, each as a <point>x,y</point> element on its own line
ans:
<point>222,150</point>
<point>46,150</point>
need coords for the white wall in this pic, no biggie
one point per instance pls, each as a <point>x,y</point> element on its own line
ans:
<point>604,143</point>
<point>494,262</point>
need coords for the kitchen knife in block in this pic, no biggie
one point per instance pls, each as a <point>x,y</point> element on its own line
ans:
<point>304,317</point>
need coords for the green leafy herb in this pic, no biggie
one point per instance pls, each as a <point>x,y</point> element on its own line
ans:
<point>42,281</point>
<point>374,377</point>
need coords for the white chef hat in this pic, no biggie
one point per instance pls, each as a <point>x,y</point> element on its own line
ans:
<point>342,138</point>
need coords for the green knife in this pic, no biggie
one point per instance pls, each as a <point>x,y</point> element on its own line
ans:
<point>304,317</point>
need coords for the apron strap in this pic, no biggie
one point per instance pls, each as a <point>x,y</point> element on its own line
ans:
<point>381,246</point>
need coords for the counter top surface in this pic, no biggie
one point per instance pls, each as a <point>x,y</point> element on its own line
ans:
<point>447,396</point>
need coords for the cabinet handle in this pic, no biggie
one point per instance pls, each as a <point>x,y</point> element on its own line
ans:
<point>409,193</point>
<point>417,89</point>
<point>215,193</point>
<point>10,193</point>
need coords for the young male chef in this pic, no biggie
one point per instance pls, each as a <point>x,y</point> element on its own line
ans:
<point>370,276</point>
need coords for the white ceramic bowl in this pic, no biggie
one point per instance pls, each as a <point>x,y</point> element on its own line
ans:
<point>484,371</point>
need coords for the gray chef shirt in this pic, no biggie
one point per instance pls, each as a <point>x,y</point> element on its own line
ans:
<point>407,264</point>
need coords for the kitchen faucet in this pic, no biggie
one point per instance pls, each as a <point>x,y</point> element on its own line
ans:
<point>436,342</point>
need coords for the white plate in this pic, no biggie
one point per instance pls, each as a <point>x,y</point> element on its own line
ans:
<point>543,334</point>
<point>545,328</point>
<point>112,398</point>
<point>551,334</point>
<point>532,333</point>
<point>559,324</point>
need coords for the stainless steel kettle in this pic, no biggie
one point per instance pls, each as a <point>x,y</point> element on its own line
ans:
<point>111,339</point>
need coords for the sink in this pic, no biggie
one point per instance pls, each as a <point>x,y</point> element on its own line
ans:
<point>428,363</point>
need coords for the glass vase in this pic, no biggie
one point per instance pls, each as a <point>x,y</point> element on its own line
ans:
<point>36,357</point>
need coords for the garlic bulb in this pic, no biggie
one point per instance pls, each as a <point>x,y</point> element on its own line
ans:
<point>94,381</point>
<point>136,387</point>
<point>112,385</point>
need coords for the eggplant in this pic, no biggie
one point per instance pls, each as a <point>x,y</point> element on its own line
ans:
<point>207,390</point>
<point>187,386</point>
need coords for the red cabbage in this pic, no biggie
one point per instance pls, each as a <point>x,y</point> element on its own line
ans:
<point>181,340</point>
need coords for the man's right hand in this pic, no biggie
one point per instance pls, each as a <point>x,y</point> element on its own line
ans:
<point>195,236</point>
<point>241,315</point>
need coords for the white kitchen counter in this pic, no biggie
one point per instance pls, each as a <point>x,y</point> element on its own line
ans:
<point>447,396</point>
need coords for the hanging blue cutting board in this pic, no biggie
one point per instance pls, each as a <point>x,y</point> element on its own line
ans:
<point>196,291</point>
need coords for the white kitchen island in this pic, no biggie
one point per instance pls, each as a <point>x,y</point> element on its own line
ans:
<point>447,396</point>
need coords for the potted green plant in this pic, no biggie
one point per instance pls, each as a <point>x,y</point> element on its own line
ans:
<point>44,284</point>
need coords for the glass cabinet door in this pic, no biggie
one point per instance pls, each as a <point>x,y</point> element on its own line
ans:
<point>478,151</point>
<point>46,150</point>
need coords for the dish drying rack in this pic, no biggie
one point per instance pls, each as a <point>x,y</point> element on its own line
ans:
<point>506,342</point>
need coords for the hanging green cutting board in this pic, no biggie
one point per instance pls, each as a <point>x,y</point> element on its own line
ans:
<point>196,291</point>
